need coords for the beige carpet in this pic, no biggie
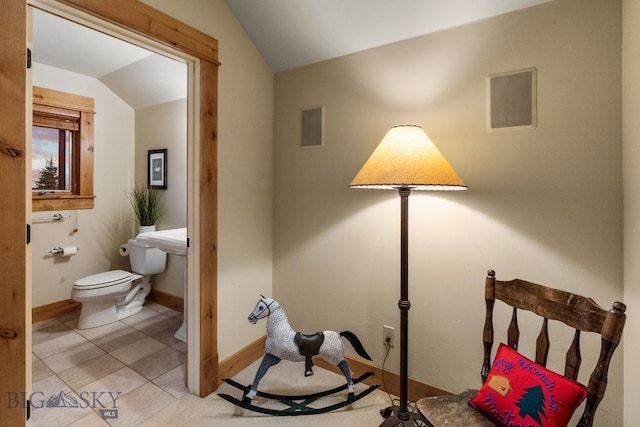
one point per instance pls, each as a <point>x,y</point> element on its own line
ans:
<point>284,378</point>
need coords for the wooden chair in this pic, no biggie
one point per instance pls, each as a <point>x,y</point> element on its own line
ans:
<point>575,311</point>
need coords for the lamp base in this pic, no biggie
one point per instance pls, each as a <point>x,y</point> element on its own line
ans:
<point>395,418</point>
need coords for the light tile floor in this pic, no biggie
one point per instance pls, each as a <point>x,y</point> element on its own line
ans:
<point>135,366</point>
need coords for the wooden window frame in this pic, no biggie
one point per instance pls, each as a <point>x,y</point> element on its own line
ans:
<point>52,103</point>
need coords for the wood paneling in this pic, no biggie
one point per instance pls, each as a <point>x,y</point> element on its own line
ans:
<point>15,333</point>
<point>49,311</point>
<point>167,300</point>
<point>61,102</point>
<point>208,222</point>
<point>240,360</point>
<point>416,389</point>
<point>151,23</point>
<point>81,107</point>
<point>254,351</point>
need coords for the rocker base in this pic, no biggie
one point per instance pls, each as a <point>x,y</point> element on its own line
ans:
<point>298,404</point>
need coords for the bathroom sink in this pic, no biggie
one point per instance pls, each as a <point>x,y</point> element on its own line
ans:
<point>170,241</point>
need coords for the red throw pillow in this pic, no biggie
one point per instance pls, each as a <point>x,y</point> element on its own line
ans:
<point>519,392</point>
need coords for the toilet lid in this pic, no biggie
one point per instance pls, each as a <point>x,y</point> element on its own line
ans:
<point>101,280</point>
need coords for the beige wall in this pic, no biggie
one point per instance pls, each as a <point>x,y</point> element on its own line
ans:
<point>102,229</point>
<point>245,169</point>
<point>165,126</point>
<point>543,204</point>
<point>631,147</point>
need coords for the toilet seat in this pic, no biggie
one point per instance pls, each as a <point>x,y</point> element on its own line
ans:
<point>105,280</point>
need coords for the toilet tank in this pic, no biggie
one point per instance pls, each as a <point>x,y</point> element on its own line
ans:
<point>146,259</point>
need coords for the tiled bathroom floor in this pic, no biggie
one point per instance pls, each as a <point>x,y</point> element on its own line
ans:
<point>134,366</point>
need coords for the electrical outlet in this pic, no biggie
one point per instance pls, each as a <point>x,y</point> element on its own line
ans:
<point>388,335</point>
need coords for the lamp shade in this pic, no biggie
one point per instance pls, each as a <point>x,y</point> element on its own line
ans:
<point>407,158</point>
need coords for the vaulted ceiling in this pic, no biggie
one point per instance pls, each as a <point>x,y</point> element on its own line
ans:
<point>294,33</point>
<point>288,33</point>
<point>140,77</point>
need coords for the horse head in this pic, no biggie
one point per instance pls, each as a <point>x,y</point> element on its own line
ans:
<point>264,307</point>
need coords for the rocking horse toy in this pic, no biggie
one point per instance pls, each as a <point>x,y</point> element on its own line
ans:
<point>285,343</point>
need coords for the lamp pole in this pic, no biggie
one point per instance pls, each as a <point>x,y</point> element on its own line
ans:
<point>403,304</point>
<point>400,415</point>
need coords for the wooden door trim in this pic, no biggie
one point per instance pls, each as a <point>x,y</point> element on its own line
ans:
<point>152,24</point>
<point>141,19</point>
<point>15,323</point>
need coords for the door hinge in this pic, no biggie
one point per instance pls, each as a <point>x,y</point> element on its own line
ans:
<point>28,58</point>
<point>28,233</point>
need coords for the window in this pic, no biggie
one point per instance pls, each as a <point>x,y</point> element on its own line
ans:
<point>52,159</point>
<point>62,150</point>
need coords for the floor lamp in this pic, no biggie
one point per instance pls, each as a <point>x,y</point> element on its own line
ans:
<point>406,160</point>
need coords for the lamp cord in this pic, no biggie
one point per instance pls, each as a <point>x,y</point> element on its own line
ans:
<point>384,384</point>
<point>411,405</point>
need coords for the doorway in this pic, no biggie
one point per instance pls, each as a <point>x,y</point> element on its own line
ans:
<point>183,41</point>
<point>140,98</point>
<point>196,64</point>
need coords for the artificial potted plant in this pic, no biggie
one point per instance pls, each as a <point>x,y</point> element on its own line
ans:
<point>146,206</point>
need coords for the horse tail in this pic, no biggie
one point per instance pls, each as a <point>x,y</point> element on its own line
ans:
<point>355,342</point>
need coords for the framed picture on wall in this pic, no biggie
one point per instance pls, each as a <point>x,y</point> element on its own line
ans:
<point>157,173</point>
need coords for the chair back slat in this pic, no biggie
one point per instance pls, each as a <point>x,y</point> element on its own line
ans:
<point>574,358</point>
<point>513,333</point>
<point>487,338</point>
<point>542,343</point>
<point>575,311</point>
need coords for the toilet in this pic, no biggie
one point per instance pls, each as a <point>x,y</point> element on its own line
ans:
<point>117,294</point>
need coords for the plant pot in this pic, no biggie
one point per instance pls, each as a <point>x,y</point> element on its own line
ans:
<point>146,228</point>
